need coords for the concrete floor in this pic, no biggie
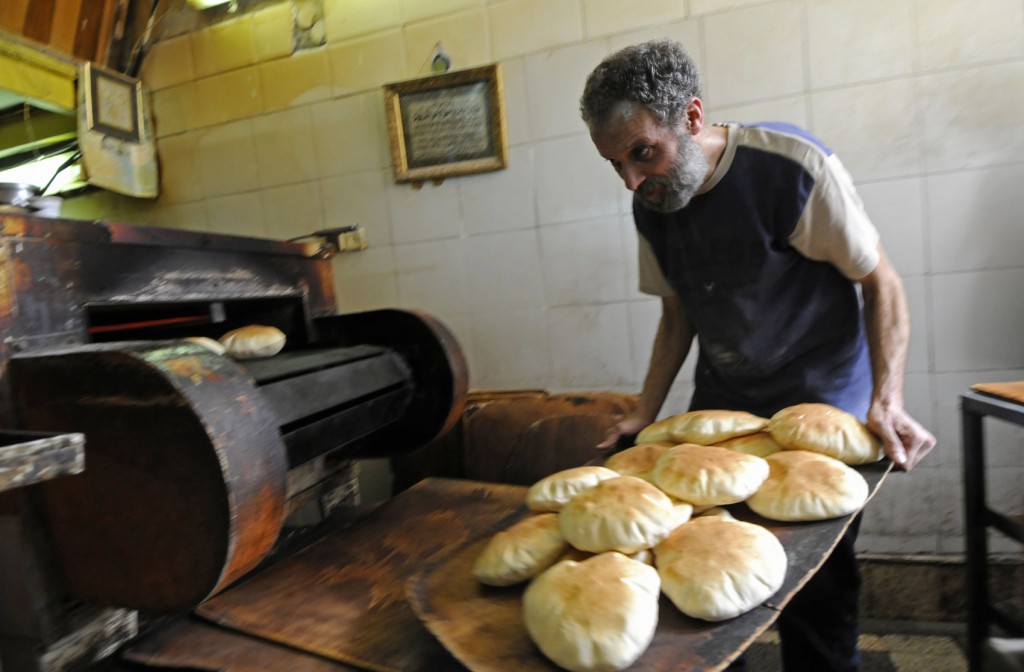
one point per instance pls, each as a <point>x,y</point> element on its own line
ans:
<point>886,646</point>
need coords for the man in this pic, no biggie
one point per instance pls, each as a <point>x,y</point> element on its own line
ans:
<point>758,245</point>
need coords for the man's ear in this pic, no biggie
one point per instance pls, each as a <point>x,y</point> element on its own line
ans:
<point>694,116</point>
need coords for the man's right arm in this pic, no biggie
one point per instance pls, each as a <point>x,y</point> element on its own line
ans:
<point>671,345</point>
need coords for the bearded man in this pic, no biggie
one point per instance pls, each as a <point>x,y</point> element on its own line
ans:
<point>759,246</point>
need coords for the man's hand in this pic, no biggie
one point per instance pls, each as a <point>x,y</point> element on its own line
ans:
<point>904,439</point>
<point>628,426</point>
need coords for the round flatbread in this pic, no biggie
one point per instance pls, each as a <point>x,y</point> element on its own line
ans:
<point>253,342</point>
<point>715,568</point>
<point>656,432</point>
<point>761,444</point>
<point>520,552</point>
<point>638,460</point>
<point>711,426</point>
<point>708,475</point>
<point>828,430</point>
<point>803,486</point>
<point>624,514</point>
<point>599,614</point>
<point>553,491</point>
<point>208,343</point>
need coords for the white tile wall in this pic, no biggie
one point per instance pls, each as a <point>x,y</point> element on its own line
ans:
<point>534,268</point>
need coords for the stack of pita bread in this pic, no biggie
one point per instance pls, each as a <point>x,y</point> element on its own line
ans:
<point>593,533</point>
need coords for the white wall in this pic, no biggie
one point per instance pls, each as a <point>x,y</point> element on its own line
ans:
<point>533,267</point>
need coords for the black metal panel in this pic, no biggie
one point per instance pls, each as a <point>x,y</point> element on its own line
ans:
<point>311,395</point>
<point>347,429</point>
<point>289,364</point>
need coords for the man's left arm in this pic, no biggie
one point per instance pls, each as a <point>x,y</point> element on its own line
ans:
<point>887,319</point>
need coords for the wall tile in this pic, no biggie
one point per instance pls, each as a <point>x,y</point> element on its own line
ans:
<point>510,350</point>
<point>179,179</point>
<point>430,213</point>
<point>175,110</point>
<point>745,59</point>
<point>432,276</point>
<point>188,216</point>
<point>235,214</point>
<point>416,10</point>
<point>917,302</point>
<point>224,46</point>
<point>903,506</point>
<point>463,37</point>
<point>503,272</point>
<point>583,262</point>
<point>350,134</point>
<point>686,33</point>
<point>366,63</point>
<point>513,75</point>
<point>792,110</point>
<point>272,31</point>
<point>350,18</point>
<point>975,219</point>
<point>291,210</point>
<point>847,120</point>
<point>630,247</point>
<point>861,40</point>
<point>698,7</point>
<point>599,360</point>
<point>230,96</point>
<point>977,320</point>
<point>953,33</point>
<point>365,280</point>
<point>604,17</point>
<point>554,83</point>
<point>359,198</point>
<point>167,63</point>
<point>573,182</point>
<point>227,159</point>
<point>895,208</point>
<point>284,147</point>
<point>522,26</point>
<point>502,200</point>
<point>968,121</point>
<point>298,80</point>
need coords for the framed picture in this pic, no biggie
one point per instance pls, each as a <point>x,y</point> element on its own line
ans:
<point>112,103</point>
<point>448,124</point>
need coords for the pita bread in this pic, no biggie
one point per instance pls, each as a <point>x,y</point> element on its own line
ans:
<point>599,614</point>
<point>656,432</point>
<point>624,514</point>
<point>716,568</point>
<point>711,426</point>
<point>708,475</point>
<point>804,486</point>
<point>828,430</point>
<point>636,461</point>
<point>553,491</point>
<point>208,343</point>
<point>761,444</point>
<point>253,342</point>
<point>520,552</point>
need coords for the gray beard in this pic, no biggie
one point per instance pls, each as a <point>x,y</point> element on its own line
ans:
<point>682,184</point>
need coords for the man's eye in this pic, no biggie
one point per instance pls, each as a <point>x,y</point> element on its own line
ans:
<point>645,152</point>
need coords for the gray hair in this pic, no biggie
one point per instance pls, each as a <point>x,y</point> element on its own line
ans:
<point>659,75</point>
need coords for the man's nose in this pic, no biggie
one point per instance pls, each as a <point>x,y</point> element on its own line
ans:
<point>632,177</point>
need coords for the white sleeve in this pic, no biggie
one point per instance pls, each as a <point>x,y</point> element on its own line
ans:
<point>834,226</point>
<point>652,280</point>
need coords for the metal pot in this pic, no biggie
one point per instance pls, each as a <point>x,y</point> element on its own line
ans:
<point>18,194</point>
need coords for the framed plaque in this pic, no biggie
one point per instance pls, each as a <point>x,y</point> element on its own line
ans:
<point>448,124</point>
<point>112,103</point>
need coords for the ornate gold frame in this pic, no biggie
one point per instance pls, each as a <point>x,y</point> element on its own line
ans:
<point>448,124</point>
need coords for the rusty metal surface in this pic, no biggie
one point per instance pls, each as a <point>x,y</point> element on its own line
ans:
<point>344,596</point>
<point>482,626</point>
<point>29,457</point>
<point>185,481</point>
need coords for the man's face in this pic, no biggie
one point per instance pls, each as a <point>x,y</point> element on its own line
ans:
<point>664,166</point>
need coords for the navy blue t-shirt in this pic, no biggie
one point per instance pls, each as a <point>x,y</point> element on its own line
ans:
<point>774,327</point>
